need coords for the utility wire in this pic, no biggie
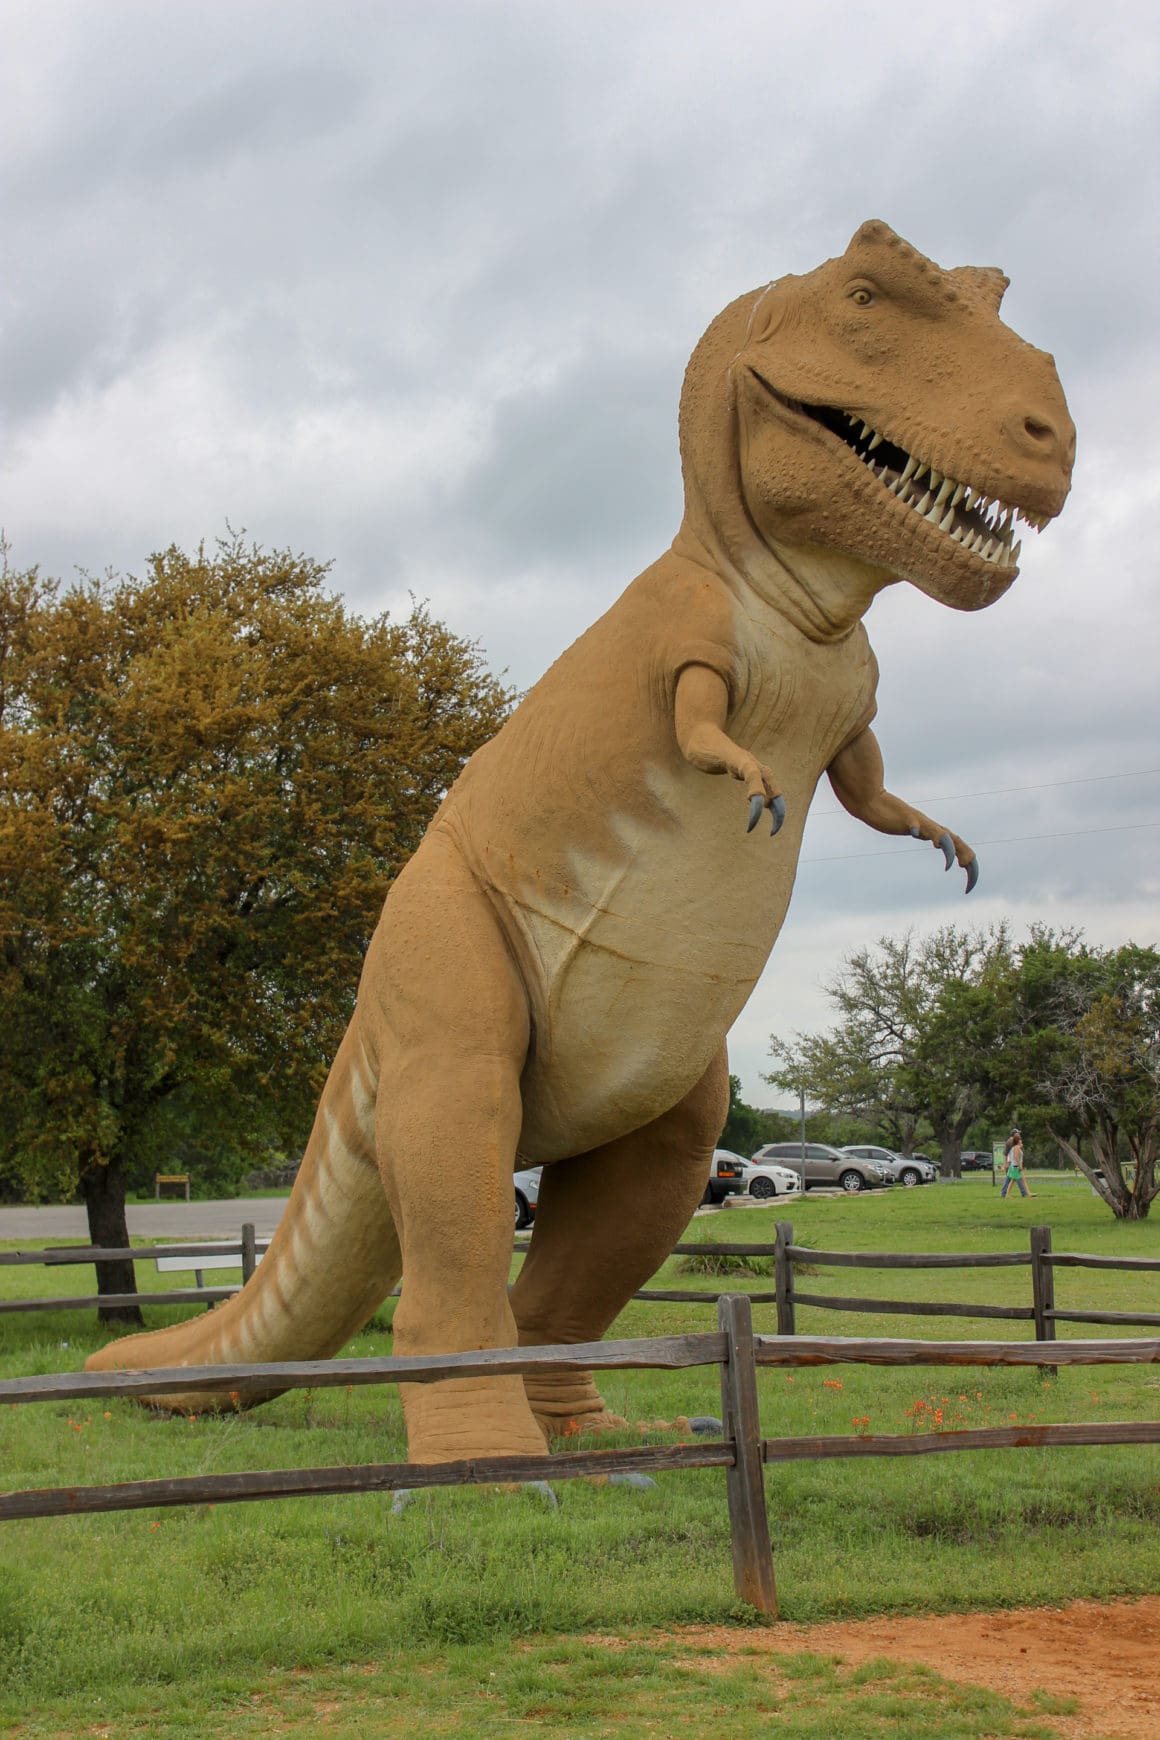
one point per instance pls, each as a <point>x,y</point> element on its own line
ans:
<point>1007,840</point>
<point>1007,790</point>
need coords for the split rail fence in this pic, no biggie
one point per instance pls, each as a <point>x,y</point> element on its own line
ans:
<point>786,1295</point>
<point>741,1452</point>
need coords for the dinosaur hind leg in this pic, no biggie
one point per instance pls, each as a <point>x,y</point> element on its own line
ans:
<point>333,1259</point>
<point>449,1018</point>
<point>606,1221</point>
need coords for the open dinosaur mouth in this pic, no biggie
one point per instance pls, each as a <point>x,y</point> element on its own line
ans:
<point>983,524</point>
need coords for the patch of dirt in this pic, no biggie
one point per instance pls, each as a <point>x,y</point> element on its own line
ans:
<point>1103,1655</point>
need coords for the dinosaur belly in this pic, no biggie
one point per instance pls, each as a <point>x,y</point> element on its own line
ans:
<point>644,961</point>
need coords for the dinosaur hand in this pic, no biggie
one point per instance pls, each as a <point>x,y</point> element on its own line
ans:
<point>762,790</point>
<point>952,848</point>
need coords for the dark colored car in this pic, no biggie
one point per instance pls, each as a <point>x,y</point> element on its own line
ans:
<point>825,1165</point>
<point>975,1160</point>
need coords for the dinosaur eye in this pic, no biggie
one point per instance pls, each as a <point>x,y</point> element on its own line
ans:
<point>861,297</point>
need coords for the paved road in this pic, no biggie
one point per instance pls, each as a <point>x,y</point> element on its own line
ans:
<point>149,1220</point>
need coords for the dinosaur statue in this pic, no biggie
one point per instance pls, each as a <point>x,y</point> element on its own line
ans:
<point>556,968</point>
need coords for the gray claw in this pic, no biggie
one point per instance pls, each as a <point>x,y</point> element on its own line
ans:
<point>777,810</point>
<point>756,805</point>
<point>972,873</point>
<point>914,831</point>
<point>948,848</point>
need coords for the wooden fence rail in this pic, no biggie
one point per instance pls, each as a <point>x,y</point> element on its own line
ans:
<point>785,1255</point>
<point>742,1452</point>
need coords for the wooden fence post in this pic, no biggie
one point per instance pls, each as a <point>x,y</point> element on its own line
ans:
<point>753,1576</point>
<point>1043,1287</point>
<point>249,1250</point>
<point>783,1279</point>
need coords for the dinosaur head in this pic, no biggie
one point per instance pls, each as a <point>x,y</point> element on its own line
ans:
<point>876,408</point>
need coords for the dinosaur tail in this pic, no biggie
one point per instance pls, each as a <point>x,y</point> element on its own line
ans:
<point>331,1263</point>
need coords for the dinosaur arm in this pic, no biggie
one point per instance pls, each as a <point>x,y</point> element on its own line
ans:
<point>701,709</point>
<point>856,774</point>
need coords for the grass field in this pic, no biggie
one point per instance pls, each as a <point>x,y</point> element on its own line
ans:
<point>448,1617</point>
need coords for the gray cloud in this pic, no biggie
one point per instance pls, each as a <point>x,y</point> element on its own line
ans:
<point>413,286</point>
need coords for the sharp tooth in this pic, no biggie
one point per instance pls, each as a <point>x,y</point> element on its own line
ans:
<point>935,478</point>
<point>924,503</point>
<point>922,468</point>
<point>968,499</point>
<point>864,431</point>
<point>988,549</point>
<point>957,534</point>
<point>976,543</point>
<point>934,514</point>
<point>1004,557</point>
<point>947,520</point>
<point>1015,553</point>
<point>909,469</point>
<point>958,495</point>
<point>877,442</point>
<point>945,488</point>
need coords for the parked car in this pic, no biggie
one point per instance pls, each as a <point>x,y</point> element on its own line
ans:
<point>726,1176</point>
<point>975,1160</point>
<point>527,1185</point>
<point>824,1165</point>
<point>904,1169</point>
<point>765,1179</point>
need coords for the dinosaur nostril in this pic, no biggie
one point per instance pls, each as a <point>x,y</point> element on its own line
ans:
<point>1038,429</point>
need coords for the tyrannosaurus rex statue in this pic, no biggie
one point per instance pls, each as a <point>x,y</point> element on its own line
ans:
<point>556,968</point>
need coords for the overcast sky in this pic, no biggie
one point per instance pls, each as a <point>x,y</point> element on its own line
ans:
<point>412,287</point>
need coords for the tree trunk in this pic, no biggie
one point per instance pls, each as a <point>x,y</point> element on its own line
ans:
<point>1102,1178</point>
<point>951,1160</point>
<point>103,1188</point>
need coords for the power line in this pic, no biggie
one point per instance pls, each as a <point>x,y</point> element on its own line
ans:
<point>1008,790</point>
<point>1007,840</point>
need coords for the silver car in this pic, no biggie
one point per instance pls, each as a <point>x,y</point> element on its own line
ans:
<point>820,1165</point>
<point>903,1169</point>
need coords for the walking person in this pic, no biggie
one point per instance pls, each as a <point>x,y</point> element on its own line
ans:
<point>1015,1166</point>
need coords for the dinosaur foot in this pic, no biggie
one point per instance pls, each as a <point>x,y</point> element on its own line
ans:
<point>462,1419</point>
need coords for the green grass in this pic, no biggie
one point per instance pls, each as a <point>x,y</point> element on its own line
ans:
<point>639,1689</point>
<point>104,1614</point>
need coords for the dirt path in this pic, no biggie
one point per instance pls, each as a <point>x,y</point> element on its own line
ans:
<point>1107,1657</point>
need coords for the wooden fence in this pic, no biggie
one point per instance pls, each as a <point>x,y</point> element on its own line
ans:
<point>741,1451</point>
<point>1039,1258</point>
<point>246,1249</point>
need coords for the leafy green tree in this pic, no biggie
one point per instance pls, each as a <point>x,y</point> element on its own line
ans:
<point>210,777</point>
<point>743,1126</point>
<point>1083,1055</point>
<point>918,1023</point>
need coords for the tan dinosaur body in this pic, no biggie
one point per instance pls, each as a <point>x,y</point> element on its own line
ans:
<point>557,967</point>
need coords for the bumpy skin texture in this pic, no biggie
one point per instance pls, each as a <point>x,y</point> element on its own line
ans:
<point>557,967</point>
